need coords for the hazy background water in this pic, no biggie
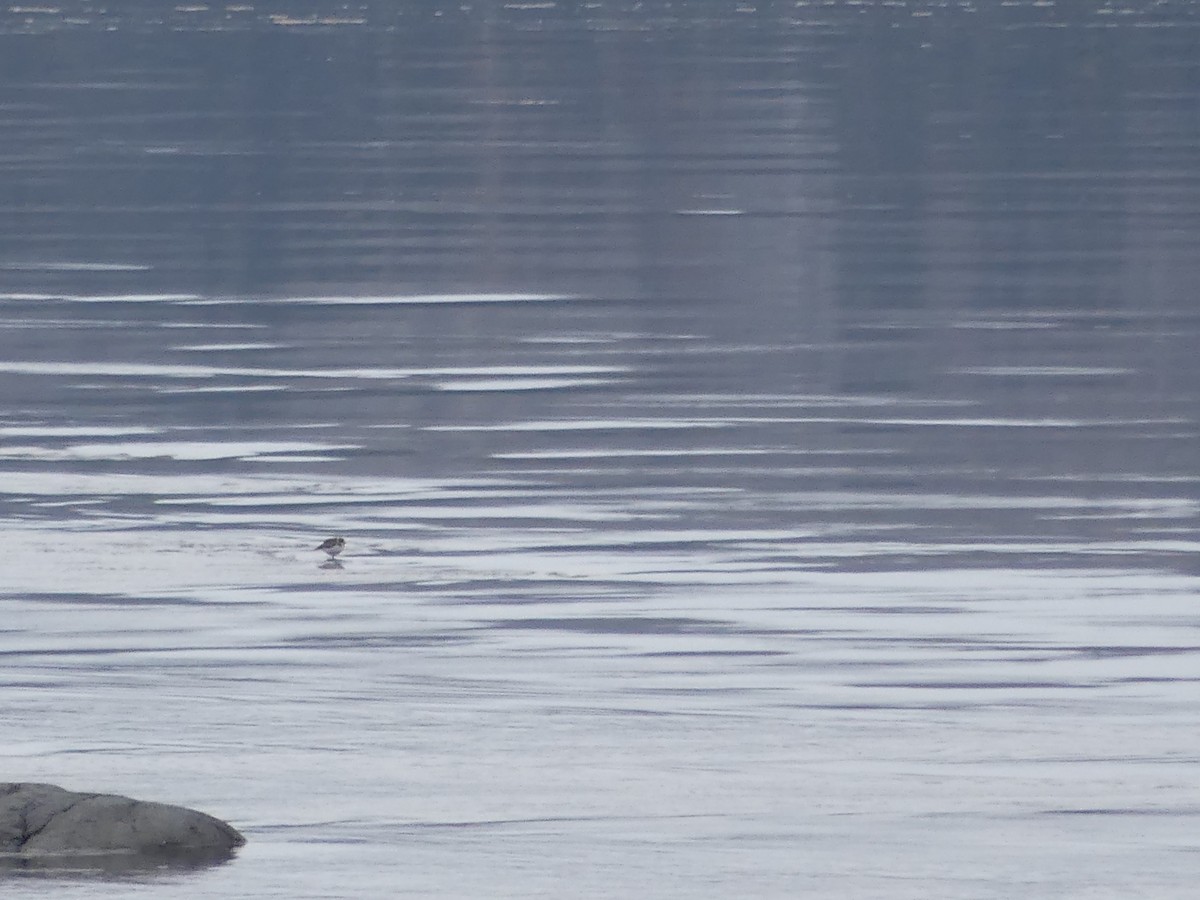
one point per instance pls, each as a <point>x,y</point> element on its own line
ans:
<point>765,433</point>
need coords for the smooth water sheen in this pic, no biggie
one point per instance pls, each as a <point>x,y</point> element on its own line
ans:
<point>765,436</point>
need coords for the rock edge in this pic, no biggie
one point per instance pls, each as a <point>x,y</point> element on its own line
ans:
<point>40,820</point>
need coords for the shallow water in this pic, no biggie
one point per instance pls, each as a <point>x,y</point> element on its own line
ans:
<point>765,440</point>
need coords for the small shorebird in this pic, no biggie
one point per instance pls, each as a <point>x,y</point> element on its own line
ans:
<point>333,546</point>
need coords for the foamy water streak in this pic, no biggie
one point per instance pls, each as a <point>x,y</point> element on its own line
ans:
<point>34,266</point>
<point>151,370</point>
<point>417,299</point>
<point>180,450</point>
<point>391,300</point>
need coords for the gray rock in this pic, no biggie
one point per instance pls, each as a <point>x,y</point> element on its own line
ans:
<point>38,821</point>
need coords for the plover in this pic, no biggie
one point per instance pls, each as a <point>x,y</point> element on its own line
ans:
<point>333,546</point>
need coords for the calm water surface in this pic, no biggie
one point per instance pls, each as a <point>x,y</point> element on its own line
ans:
<point>765,437</point>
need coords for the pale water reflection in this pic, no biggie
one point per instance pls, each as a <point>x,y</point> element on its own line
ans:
<point>765,439</point>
